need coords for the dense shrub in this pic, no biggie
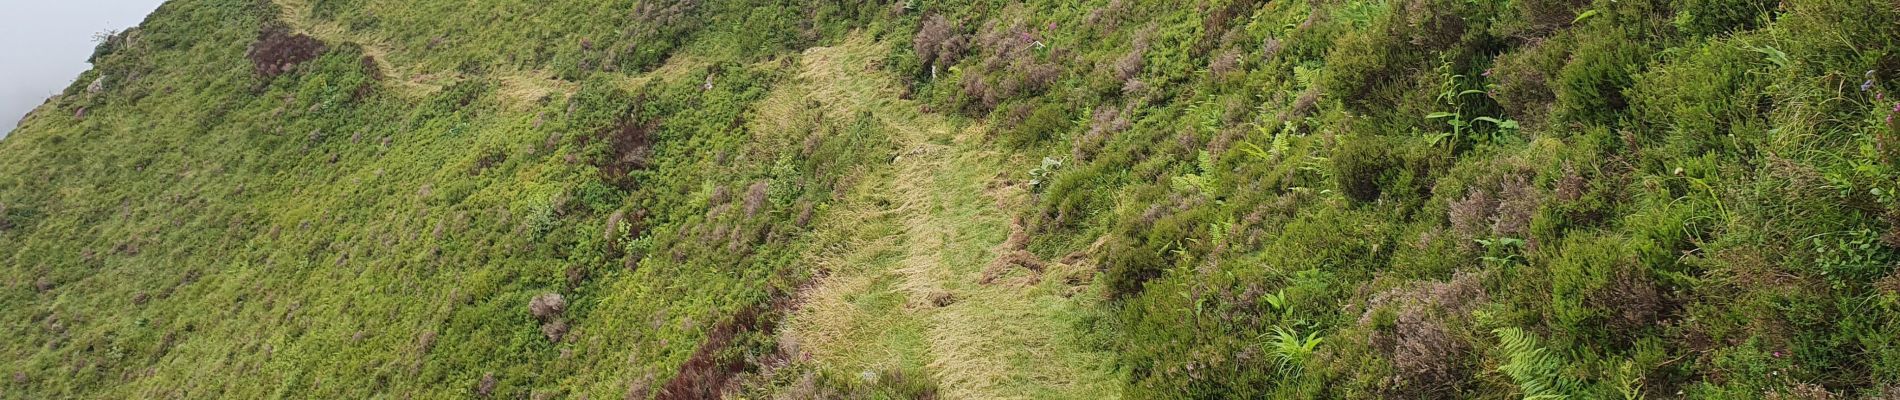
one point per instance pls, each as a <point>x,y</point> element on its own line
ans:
<point>1716,17</point>
<point>1590,87</point>
<point>1042,122</point>
<point>1364,165</point>
<point>1541,18</point>
<point>1599,282</point>
<point>1129,268</point>
<point>1525,80</point>
<point>940,43</point>
<point>1413,329</point>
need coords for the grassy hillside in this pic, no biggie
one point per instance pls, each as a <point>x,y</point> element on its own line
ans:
<point>1041,199</point>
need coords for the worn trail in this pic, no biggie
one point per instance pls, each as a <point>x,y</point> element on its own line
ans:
<point>906,258</point>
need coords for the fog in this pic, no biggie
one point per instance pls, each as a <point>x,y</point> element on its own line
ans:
<point>44,45</point>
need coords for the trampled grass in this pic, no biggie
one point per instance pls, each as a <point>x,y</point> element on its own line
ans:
<point>905,292</point>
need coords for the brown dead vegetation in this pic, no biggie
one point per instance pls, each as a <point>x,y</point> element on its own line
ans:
<point>1418,336</point>
<point>277,51</point>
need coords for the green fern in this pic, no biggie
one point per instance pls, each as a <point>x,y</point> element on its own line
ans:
<point>1538,371</point>
<point>1199,181</point>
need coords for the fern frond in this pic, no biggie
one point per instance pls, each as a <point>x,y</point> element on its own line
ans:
<point>1537,371</point>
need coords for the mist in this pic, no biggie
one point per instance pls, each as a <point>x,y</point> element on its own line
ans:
<point>44,45</point>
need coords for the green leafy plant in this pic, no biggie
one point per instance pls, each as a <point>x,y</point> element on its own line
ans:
<point>1452,94</point>
<point>1291,350</point>
<point>1502,250</point>
<point>1537,371</point>
<point>1199,181</point>
<point>1039,177</point>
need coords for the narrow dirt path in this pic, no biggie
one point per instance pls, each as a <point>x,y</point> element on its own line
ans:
<point>296,13</point>
<point>907,254</point>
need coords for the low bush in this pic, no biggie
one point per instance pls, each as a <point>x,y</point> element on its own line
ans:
<point>1717,17</point>
<point>1364,165</point>
<point>1591,85</point>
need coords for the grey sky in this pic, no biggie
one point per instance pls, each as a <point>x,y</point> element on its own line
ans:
<point>44,45</point>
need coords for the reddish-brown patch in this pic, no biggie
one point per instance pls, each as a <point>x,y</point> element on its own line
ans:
<point>706,373</point>
<point>277,51</point>
<point>631,149</point>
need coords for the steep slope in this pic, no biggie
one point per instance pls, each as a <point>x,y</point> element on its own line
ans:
<point>1031,199</point>
<point>241,210</point>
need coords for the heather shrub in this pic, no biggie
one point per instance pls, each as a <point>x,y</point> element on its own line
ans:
<point>1129,66</point>
<point>1359,64</point>
<point>939,43</point>
<point>1524,80</point>
<point>1590,87</point>
<point>1599,282</point>
<point>486,386</point>
<point>278,51</point>
<point>1433,24</point>
<point>1471,216</point>
<point>1705,93</point>
<point>1043,122</point>
<point>1540,18</point>
<point>755,198</point>
<point>1518,202</point>
<point>1718,17</point>
<point>1128,267</point>
<point>1363,165</point>
<point>1414,329</point>
<point>630,146</point>
<point>554,330</point>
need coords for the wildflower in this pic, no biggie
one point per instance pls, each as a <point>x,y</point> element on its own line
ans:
<point>1777,354</point>
<point>1869,83</point>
